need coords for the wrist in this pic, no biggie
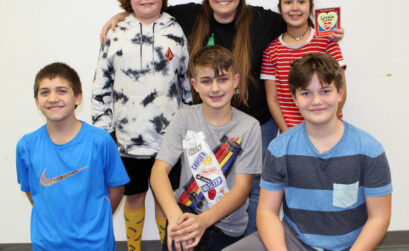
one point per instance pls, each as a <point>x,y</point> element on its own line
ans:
<point>175,215</point>
<point>205,219</point>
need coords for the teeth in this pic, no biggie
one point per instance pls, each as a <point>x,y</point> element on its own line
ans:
<point>54,108</point>
<point>224,2</point>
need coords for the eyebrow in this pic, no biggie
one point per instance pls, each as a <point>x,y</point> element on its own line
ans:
<point>58,87</point>
<point>223,75</point>
<point>205,77</point>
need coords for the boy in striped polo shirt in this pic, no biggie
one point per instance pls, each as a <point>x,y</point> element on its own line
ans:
<point>332,178</point>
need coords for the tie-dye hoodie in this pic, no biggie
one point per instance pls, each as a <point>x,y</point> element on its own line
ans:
<point>140,82</point>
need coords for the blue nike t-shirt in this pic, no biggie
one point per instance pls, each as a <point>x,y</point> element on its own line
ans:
<point>69,186</point>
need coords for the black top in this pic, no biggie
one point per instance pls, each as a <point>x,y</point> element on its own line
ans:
<point>266,25</point>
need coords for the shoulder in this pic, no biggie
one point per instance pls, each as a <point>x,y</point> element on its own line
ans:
<point>125,25</point>
<point>244,118</point>
<point>95,134</point>
<point>267,18</point>
<point>273,45</point>
<point>184,7</point>
<point>290,142</point>
<point>185,12</point>
<point>323,40</point>
<point>266,25</point>
<point>362,142</point>
<point>245,125</point>
<point>31,137</point>
<point>168,23</point>
<point>189,111</point>
<point>122,28</point>
<point>261,12</point>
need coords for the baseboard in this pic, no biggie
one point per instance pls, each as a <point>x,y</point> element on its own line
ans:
<point>392,239</point>
<point>395,239</point>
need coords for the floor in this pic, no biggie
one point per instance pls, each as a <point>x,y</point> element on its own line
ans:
<point>398,242</point>
<point>148,246</point>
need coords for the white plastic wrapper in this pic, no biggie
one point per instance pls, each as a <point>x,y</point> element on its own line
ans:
<point>205,167</point>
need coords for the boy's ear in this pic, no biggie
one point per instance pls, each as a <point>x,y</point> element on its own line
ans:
<point>236,79</point>
<point>194,84</point>
<point>78,99</point>
<point>37,104</point>
<point>341,93</point>
<point>294,98</point>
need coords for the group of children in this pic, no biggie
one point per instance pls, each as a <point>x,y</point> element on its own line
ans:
<point>332,178</point>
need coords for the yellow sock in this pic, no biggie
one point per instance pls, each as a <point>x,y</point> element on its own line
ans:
<point>134,219</point>
<point>161,223</point>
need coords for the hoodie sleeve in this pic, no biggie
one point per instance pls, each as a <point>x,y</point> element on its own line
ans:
<point>183,79</point>
<point>102,89</point>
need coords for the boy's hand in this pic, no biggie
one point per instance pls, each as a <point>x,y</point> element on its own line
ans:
<point>339,34</point>
<point>172,238</point>
<point>189,229</point>
<point>111,25</point>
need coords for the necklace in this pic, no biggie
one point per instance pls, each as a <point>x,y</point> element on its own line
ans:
<point>300,37</point>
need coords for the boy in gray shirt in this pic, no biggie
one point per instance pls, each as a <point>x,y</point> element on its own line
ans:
<point>210,210</point>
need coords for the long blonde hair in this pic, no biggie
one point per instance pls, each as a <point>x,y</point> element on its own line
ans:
<point>241,47</point>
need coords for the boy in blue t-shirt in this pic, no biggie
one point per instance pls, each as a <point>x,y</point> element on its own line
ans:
<point>71,171</point>
<point>332,178</point>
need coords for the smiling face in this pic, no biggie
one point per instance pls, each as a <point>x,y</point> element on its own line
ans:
<point>215,91</point>
<point>56,100</point>
<point>147,11</point>
<point>295,12</point>
<point>224,11</point>
<point>318,103</point>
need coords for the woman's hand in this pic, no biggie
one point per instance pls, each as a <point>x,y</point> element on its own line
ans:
<point>111,25</point>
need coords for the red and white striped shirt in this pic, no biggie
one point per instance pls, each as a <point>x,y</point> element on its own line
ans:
<point>277,59</point>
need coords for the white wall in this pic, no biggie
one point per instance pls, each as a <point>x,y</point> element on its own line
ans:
<point>35,33</point>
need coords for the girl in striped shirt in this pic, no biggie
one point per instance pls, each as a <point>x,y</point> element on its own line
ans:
<point>299,40</point>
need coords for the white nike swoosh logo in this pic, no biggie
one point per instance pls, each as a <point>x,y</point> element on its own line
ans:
<point>51,181</point>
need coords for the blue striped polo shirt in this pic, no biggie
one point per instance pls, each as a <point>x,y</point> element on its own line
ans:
<point>324,193</point>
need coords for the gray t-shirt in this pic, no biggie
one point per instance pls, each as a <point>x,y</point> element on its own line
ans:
<point>248,162</point>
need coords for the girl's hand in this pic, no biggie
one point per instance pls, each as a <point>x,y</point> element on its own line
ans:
<point>111,25</point>
<point>339,34</point>
<point>189,229</point>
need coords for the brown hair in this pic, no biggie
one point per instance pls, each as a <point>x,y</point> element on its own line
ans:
<point>61,70</point>
<point>220,60</point>
<point>324,65</point>
<point>126,5</point>
<point>241,43</point>
<point>310,22</point>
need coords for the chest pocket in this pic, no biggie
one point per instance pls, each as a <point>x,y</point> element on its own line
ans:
<point>345,195</point>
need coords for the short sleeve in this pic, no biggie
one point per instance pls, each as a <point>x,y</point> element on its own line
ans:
<point>272,177</point>
<point>377,177</point>
<point>114,170</point>
<point>22,166</point>
<point>171,147</point>
<point>268,64</point>
<point>249,161</point>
